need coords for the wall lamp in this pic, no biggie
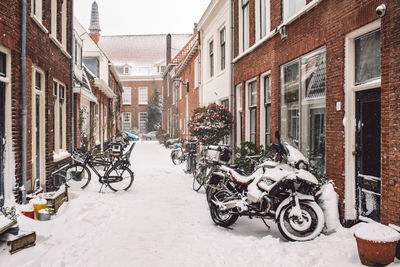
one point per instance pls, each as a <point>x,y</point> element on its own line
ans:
<point>177,81</point>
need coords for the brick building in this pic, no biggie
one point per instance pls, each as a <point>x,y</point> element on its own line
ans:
<point>47,75</point>
<point>324,74</point>
<point>140,62</point>
<point>186,81</point>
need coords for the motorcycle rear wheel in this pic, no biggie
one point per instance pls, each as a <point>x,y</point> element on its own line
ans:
<point>306,229</point>
<point>220,217</point>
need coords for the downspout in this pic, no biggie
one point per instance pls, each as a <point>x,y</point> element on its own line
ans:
<point>72,79</point>
<point>232,74</point>
<point>24,109</point>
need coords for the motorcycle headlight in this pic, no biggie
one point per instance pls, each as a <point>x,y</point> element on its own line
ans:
<point>303,166</point>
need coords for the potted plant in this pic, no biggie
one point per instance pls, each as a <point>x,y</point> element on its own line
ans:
<point>376,244</point>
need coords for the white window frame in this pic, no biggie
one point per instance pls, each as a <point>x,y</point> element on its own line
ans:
<point>239,96</point>
<point>262,18</point>
<point>285,9</point>
<point>127,96</point>
<point>196,72</point>
<point>139,120</point>
<point>9,169</point>
<point>42,122</point>
<point>247,111</point>
<point>126,121</point>
<point>141,99</point>
<point>53,18</point>
<point>263,125</point>
<point>57,125</point>
<point>244,30</point>
<point>36,10</point>
<point>211,58</point>
<point>64,11</point>
<point>222,48</point>
<point>350,90</point>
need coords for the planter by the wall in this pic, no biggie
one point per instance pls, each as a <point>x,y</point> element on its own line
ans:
<point>376,244</point>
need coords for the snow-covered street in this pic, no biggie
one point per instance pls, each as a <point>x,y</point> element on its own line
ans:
<point>161,221</point>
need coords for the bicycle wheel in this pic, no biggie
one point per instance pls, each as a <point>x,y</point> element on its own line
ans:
<point>119,178</point>
<point>176,157</point>
<point>198,179</point>
<point>77,176</point>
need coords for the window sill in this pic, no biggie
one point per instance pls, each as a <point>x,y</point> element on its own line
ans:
<point>126,104</point>
<point>60,46</point>
<point>62,154</point>
<point>39,23</point>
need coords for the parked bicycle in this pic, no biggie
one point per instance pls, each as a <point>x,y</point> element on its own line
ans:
<point>116,172</point>
<point>191,158</point>
<point>177,154</point>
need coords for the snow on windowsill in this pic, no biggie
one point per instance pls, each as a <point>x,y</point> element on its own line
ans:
<point>62,154</point>
<point>377,232</point>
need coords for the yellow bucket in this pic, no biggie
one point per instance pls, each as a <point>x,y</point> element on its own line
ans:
<point>37,207</point>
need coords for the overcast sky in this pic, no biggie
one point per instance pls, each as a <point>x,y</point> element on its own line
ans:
<point>118,17</point>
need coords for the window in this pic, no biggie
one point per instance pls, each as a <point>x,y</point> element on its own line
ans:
<point>3,65</point>
<point>126,70</point>
<point>245,24</point>
<point>368,57</point>
<point>142,95</point>
<point>225,103</point>
<point>126,120</point>
<point>54,18</point>
<point>92,63</point>
<point>60,130</point>
<point>291,7</point>
<point>222,38</point>
<point>252,104</point>
<point>238,114</point>
<point>36,9</point>
<point>180,91</point>
<point>64,24</point>
<point>211,51</point>
<point>127,96</point>
<point>265,21</point>
<point>143,122</point>
<point>163,69</point>
<point>304,85</point>
<point>267,108</point>
<point>196,72</point>
<point>76,52</point>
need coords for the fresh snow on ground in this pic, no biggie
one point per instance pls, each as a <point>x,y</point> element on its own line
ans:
<point>161,221</point>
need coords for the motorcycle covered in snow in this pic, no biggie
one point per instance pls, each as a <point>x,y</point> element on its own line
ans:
<point>282,190</point>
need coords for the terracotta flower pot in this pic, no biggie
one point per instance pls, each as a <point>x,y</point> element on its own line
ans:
<point>373,253</point>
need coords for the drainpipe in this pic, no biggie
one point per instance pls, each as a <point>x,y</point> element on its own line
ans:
<point>232,73</point>
<point>72,79</point>
<point>23,85</point>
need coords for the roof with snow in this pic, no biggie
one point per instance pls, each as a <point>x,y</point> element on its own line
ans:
<point>141,51</point>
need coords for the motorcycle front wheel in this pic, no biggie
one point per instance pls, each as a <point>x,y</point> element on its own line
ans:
<point>306,228</point>
<point>221,217</point>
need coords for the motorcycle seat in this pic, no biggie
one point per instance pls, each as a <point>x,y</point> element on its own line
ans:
<point>237,177</point>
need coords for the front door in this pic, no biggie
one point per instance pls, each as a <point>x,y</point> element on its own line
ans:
<point>368,153</point>
<point>2,139</point>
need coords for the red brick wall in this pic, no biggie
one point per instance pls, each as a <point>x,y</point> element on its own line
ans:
<point>135,108</point>
<point>193,94</point>
<point>326,25</point>
<point>44,54</point>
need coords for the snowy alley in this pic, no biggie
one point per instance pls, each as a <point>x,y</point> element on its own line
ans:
<point>161,221</point>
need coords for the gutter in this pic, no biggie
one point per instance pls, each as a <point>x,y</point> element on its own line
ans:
<point>72,80</point>
<point>231,106</point>
<point>24,108</point>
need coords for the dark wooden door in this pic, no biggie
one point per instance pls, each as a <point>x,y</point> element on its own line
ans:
<point>368,153</point>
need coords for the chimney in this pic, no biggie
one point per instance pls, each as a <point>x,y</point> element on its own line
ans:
<point>194,28</point>
<point>94,28</point>
<point>168,48</point>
